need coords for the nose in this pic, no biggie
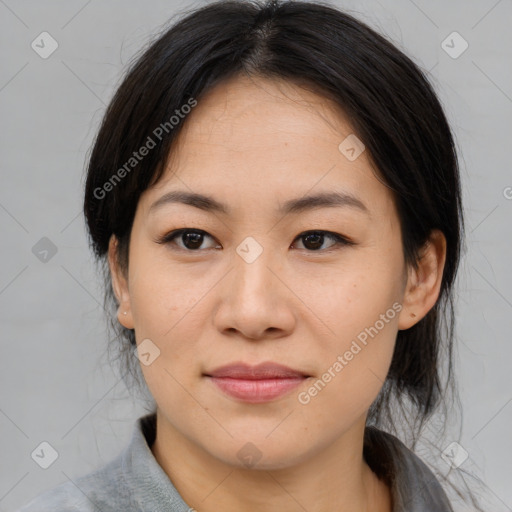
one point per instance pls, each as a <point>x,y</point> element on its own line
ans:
<point>255,301</point>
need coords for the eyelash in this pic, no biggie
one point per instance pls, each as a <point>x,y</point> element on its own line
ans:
<point>339,239</point>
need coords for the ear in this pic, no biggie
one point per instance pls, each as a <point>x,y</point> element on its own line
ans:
<point>424,283</point>
<point>120,285</point>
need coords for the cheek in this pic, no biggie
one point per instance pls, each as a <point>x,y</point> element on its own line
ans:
<point>349,300</point>
<point>165,297</point>
<point>357,318</point>
<point>351,375</point>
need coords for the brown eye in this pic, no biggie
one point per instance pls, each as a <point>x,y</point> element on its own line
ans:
<point>314,240</point>
<point>191,239</point>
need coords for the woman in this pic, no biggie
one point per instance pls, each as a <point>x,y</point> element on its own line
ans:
<point>275,196</point>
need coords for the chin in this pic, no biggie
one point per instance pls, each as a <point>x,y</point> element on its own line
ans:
<point>260,454</point>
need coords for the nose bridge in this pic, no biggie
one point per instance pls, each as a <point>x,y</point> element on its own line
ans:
<point>252,271</point>
<point>254,299</point>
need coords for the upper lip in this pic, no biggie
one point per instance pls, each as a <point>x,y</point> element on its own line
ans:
<point>268,370</point>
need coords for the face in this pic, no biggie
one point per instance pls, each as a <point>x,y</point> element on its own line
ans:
<point>317,287</point>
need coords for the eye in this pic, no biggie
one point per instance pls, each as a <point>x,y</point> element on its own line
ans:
<point>315,239</point>
<point>192,239</point>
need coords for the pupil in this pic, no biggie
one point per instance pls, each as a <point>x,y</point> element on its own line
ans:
<point>317,238</point>
<point>195,238</point>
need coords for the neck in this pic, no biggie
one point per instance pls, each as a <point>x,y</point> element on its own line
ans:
<point>336,477</point>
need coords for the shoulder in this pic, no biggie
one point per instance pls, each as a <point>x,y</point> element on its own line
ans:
<point>132,481</point>
<point>103,489</point>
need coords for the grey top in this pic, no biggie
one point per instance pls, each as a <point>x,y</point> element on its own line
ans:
<point>134,481</point>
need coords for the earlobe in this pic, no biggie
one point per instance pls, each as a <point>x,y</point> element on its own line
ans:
<point>424,282</point>
<point>119,285</point>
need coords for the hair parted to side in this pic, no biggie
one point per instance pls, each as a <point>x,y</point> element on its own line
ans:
<point>391,106</point>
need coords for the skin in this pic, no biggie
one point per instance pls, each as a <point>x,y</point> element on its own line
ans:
<point>253,144</point>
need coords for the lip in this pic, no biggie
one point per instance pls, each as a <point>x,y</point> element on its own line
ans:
<point>256,384</point>
<point>267,370</point>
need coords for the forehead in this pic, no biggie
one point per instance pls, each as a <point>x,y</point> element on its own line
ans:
<point>266,140</point>
<point>252,110</point>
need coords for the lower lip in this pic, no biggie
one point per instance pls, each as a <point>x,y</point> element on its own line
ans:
<point>256,391</point>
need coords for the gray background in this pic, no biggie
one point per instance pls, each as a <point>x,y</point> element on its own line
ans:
<point>56,383</point>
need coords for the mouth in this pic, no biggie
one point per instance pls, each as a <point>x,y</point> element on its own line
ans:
<point>256,384</point>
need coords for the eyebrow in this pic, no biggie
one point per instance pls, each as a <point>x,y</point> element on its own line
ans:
<point>299,205</point>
